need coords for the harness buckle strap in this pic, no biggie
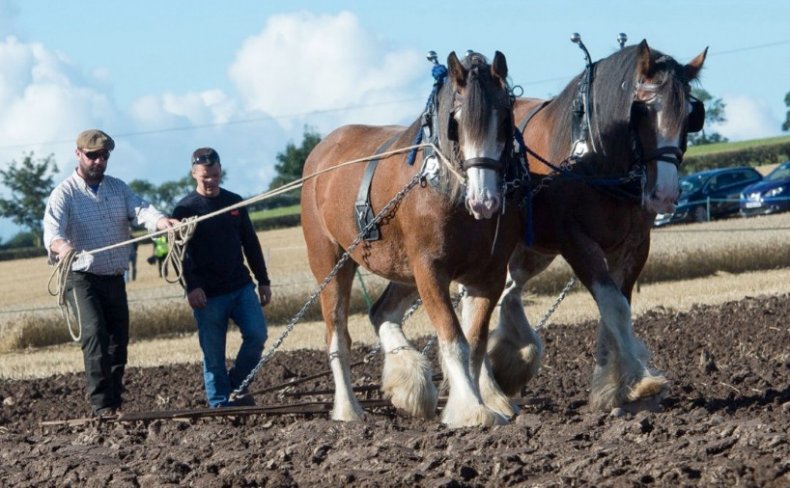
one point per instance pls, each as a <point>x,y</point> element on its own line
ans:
<point>668,154</point>
<point>486,163</point>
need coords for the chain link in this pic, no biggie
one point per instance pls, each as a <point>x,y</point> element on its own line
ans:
<point>550,311</point>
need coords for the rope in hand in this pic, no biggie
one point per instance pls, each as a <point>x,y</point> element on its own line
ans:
<point>62,272</point>
<point>177,240</point>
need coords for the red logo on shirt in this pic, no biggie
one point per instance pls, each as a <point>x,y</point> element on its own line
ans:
<point>235,212</point>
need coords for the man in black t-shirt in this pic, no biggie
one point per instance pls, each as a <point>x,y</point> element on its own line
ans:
<point>219,286</point>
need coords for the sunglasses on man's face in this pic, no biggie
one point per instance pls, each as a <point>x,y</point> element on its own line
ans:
<point>209,160</point>
<point>101,153</point>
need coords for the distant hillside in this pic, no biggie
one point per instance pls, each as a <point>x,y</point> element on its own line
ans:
<point>758,153</point>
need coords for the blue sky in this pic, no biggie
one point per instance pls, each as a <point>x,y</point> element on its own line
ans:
<point>164,77</point>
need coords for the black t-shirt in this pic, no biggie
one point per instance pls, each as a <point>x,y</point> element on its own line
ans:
<point>214,259</point>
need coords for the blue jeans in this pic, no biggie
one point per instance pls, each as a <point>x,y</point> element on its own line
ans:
<point>244,307</point>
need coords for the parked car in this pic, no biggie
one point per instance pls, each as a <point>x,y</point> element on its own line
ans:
<point>709,195</point>
<point>770,195</point>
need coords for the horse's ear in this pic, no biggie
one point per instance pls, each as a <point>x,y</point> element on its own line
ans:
<point>457,70</point>
<point>692,69</point>
<point>499,67</point>
<point>644,65</point>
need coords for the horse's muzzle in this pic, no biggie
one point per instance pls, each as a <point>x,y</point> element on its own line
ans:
<point>483,198</point>
<point>483,205</point>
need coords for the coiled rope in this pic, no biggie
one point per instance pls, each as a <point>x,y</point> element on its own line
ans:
<point>61,271</point>
<point>177,240</point>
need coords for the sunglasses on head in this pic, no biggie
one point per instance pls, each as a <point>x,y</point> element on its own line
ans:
<point>100,153</point>
<point>205,160</point>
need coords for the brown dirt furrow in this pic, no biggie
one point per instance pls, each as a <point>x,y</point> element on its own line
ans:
<point>725,422</point>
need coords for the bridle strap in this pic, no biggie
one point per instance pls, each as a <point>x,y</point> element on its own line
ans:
<point>485,163</point>
<point>668,154</point>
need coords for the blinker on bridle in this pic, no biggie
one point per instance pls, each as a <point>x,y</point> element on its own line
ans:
<point>583,144</point>
<point>452,128</point>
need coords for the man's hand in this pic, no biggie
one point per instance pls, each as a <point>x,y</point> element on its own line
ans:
<point>197,298</point>
<point>166,223</point>
<point>61,248</point>
<point>265,292</point>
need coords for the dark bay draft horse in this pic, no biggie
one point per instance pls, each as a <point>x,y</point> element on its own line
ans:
<point>598,210</point>
<point>435,235</point>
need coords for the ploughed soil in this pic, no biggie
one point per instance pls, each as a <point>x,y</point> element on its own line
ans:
<point>724,422</point>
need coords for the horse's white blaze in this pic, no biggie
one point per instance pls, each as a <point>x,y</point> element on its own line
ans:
<point>346,407</point>
<point>482,190</point>
<point>666,191</point>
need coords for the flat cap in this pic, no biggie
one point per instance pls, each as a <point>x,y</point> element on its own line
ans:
<point>93,139</point>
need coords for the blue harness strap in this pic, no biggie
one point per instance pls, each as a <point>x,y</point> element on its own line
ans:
<point>362,205</point>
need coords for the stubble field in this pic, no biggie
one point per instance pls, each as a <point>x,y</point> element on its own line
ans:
<point>719,333</point>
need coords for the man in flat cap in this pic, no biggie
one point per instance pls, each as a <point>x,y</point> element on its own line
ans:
<point>87,211</point>
<point>219,286</point>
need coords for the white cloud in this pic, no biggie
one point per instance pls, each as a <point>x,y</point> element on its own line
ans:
<point>302,63</point>
<point>298,64</point>
<point>169,110</point>
<point>747,118</point>
<point>44,98</point>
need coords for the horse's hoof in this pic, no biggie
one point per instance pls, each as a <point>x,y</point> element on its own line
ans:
<point>478,416</point>
<point>642,395</point>
<point>503,407</point>
<point>647,387</point>
<point>348,414</point>
<point>514,366</point>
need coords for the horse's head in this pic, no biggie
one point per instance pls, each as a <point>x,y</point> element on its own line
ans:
<point>476,121</point>
<point>641,116</point>
<point>664,112</point>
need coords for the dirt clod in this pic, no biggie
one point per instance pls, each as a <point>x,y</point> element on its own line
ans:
<point>724,422</point>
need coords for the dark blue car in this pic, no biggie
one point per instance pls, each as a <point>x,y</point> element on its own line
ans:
<point>770,195</point>
<point>710,195</point>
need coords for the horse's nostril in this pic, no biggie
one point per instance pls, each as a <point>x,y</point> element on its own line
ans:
<point>493,203</point>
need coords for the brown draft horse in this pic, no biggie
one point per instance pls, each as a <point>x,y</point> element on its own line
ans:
<point>598,212</point>
<point>436,234</point>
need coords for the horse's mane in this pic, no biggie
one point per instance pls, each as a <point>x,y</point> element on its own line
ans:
<point>614,84</point>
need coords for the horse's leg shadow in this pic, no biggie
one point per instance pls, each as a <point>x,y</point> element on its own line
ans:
<point>406,376</point>
<point>621,377</point>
